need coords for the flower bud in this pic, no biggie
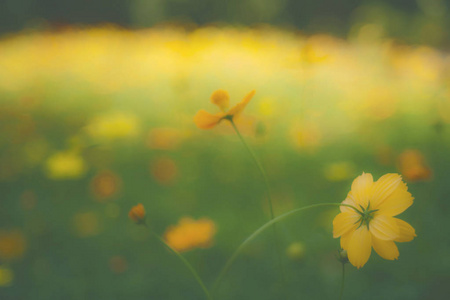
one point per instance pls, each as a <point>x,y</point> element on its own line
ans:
<point>137,214</point>
<point>342,256</point>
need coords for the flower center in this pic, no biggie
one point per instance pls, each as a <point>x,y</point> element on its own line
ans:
<point>366,215</point>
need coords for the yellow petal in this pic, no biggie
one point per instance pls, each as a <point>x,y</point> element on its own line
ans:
<point>349,201</point>
<point>385,249</point>
<point>238,108</point>
<point>345,222</point>
<point>384,227</point>
<point>383,188</point>
<point>345,240</point>
<point>407,232</point>
<point>205,120</point>
<point>362,189</point>
<point>221,98</point>
<point>397,202</point>
<point>359,247</point>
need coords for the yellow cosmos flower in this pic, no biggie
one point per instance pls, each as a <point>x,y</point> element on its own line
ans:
<point>221,98</point>
<point>370,221</point>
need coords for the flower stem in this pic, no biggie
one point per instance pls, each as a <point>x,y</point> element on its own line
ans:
<point>258,232</point>
<point>343,281</point>
<point>187,264</point>
<point>269,197</point>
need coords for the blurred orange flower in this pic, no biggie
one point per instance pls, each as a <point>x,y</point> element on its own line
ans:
<point>137,214</point>
<point>190,234</point>
<point>221,98</point>
<point>105,185</point>
<point>413,166</point>
<point>164,138</point>
<point>164,170</point>
<point>12,244</point>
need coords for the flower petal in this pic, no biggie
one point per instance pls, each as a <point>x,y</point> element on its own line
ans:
<point>383,188</point>
<point>221,98</point>
<point>349,201</point>
<point>397,202</point>
<point>345,240</point>
<point>359,247</point>
<point>384,227</point>
<point>385,249</point>
<point>206,120</point>
<point>407,232</point>
<point>362,189</point>
<point>344,222</point>
<point>238,108</point>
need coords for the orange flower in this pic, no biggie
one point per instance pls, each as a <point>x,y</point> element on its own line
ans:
<point>137,214</point>
<point>189,234</point>
<point>221,98</point>
<point>413,166</point>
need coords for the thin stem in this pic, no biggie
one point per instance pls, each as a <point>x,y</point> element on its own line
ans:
<point>187,264</point>
<point>343,281</point>
<point>260,168</point>
<point>269,197</point>
<point>258,232</point>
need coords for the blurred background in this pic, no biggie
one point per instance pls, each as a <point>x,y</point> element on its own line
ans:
<point>97,100</point>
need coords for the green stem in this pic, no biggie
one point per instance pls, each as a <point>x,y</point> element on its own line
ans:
<point>269,197</point>
<point>261,230</point>
<point>187,264</point>
<point>343,281</point>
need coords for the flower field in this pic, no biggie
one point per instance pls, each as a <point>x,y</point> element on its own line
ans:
<point>104,129</point>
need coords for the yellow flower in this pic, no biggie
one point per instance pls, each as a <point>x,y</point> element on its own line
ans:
<point>221,98</point>
<point>65,165</point>
<point>370,221</point>
<point>114,125</point>
<point>189,234</point>
<point>137,214</point>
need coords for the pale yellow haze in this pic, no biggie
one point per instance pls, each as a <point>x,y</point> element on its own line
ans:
<point>374,224</point>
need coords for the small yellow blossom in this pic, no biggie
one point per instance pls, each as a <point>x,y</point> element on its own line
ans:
<point>6,276</point>
<point>65,165</point>
<point>190,234</point>
<point>137,214</point>
<point>370,221</point>
<point>221,98</point>
<point>296,251</point>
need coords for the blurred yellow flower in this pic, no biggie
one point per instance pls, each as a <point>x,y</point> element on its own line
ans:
<point>137,214</point>
<point>12,244</point>
<point>296,251</point>
<point>190,234</point>
<point>6,276</point>
<point>413,166</point>
<point>371,222</point>
<point>65,165</point>
<point>221,98</point>
<point>113,126</point>
<point>339,171</point>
